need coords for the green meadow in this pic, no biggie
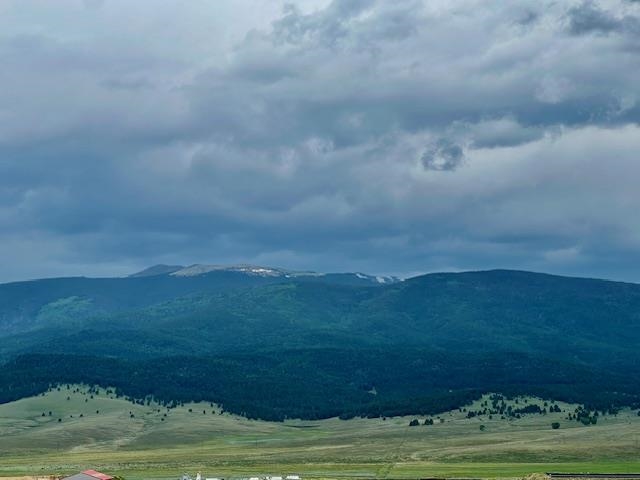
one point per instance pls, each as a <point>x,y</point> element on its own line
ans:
<point>150,441</point>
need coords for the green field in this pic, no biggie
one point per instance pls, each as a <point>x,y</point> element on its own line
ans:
<point>146,446</point>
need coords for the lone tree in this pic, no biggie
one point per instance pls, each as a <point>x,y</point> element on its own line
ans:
<point>555,425</point>
<point>414,423</point>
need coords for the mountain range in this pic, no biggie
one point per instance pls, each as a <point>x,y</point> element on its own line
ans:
<point>272,343</point>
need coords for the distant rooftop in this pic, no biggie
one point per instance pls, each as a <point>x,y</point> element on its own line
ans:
<point>89,475</point>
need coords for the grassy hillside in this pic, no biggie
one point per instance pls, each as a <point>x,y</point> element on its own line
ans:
<point>146,446</point>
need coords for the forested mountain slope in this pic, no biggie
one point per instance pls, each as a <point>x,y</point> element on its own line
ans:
<point>60,302</point>
<point>291,346</point>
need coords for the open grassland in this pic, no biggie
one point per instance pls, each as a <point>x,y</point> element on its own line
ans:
<point>149,441</point>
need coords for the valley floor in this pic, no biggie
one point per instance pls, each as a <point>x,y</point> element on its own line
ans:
<point>149,441</point>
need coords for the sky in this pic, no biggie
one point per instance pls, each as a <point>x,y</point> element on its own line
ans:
<point>388,137</point>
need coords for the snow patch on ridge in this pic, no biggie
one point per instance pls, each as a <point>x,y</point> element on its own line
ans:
<point>253,270</point>
<point>195,270</point>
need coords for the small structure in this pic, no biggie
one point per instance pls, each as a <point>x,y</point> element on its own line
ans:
<point>89,475</point>
<point>593,476</point>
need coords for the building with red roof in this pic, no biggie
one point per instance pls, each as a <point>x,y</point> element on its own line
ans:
<point>89,475</point>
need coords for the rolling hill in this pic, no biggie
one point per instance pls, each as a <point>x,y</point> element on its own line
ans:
<point>82,426</point>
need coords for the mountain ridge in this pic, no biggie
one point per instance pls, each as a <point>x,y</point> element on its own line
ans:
<point>197,269</point>
<point>21,303</point>
<point>159,269</point>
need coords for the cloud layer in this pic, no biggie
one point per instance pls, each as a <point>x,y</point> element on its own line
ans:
<point>390,137</point>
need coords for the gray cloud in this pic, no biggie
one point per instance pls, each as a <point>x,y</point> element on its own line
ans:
<point>588,17</point>
<point>443,155</point>
<point>93,4</point>
<point>313,134</point>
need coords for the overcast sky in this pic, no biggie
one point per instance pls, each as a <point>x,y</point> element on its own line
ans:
<point>392,137</point>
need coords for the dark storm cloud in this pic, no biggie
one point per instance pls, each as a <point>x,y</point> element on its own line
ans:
<point>391,137</point>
